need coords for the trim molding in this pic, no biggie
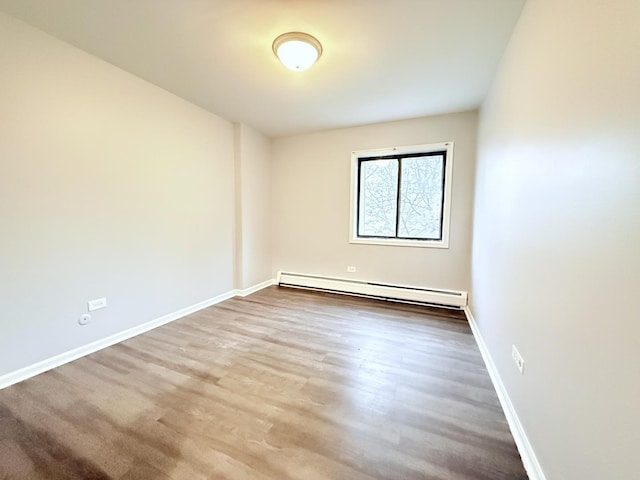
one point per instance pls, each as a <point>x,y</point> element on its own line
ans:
<point>66,357</point>
<point>255,288</point>
<point>529,459</point>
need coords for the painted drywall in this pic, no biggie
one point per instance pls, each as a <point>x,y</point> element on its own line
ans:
<point>253,207</point>
<point>311,178</point>
<point>556,244</point>
<point>109,187</point>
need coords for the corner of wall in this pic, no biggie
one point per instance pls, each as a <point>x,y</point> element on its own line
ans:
<point>237,206</point>
<point>528,455</point>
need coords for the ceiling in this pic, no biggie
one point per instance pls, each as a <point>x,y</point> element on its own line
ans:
<point>383,59</point>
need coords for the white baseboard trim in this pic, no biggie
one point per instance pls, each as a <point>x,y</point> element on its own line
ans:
<point>255,288</point>
<point>529,459</point>
<point>58,360</point>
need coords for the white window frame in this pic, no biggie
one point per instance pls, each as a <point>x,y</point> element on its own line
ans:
<point>446,206</point>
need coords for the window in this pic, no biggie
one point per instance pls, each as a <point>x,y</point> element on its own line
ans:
<point>402,196</point>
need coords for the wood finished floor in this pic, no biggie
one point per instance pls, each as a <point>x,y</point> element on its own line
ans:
<point>283,384</point>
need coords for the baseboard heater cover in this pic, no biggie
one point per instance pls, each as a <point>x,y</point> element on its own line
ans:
<point>429,296</point>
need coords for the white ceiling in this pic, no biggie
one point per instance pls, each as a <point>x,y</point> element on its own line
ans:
<point>383,59</point>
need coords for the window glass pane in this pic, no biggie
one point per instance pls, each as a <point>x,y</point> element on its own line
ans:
<point>421,197</point>
<point>378,198</point>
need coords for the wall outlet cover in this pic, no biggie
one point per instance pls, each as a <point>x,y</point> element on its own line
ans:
<point>517,358</point>
<point>97,304</point>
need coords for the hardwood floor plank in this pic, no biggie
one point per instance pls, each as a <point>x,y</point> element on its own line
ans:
<point>282,384</point>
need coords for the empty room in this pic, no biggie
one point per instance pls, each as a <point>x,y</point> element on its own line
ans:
<point>319,239</point>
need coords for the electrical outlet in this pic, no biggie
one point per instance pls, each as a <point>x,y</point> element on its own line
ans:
<point>518,359</point>
<point>97,304</point>
<point>351,269</point>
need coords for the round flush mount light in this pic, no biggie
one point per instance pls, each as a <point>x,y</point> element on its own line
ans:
<point>296,50</point>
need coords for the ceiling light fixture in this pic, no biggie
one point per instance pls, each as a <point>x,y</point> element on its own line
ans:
<point>296,50</point>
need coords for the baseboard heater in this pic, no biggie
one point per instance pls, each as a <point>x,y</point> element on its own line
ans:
<point>426,296</point>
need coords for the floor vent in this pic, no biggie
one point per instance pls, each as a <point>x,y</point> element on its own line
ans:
<point>428,296</point>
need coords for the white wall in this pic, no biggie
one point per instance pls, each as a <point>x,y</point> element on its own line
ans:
<point>310,199</point>
<point>253,207</point>
<point>556,250</point>
<point>109,187</point>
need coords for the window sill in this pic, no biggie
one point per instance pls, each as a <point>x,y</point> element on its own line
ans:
<point>401,243</point>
